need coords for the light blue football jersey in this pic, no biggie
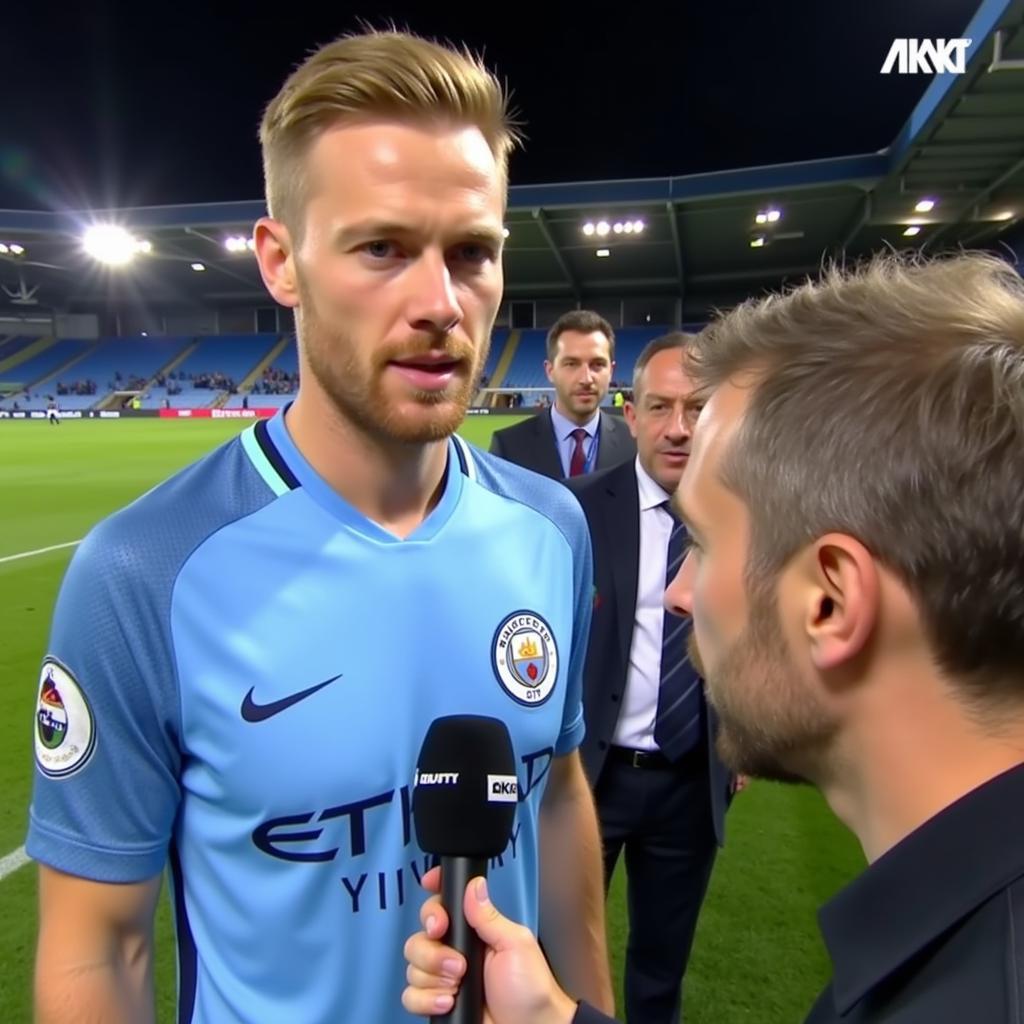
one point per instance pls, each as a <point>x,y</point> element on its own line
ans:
<point>241,671</point>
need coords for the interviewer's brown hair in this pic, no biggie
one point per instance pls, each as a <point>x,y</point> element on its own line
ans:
<point>887,403</point>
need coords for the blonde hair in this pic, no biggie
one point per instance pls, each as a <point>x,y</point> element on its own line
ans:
<point>887,403</point>
<point>374,75</point>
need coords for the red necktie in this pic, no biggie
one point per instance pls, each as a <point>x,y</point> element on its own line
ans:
<point>578,460</point>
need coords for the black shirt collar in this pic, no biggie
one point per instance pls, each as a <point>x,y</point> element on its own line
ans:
<point>924,885</point>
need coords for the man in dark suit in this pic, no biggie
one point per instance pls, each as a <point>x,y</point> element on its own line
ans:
<point>573,437</point>
<point>660,788</point>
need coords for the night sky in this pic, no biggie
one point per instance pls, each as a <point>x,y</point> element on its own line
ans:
<point>115,104</point>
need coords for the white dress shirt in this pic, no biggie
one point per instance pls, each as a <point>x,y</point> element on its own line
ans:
<point>635,727</point>
<point>563,428</point>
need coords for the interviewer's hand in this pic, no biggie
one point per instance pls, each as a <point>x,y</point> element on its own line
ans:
<point>518,985</point>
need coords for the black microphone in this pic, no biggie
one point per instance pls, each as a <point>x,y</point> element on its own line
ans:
<point>463,809</point>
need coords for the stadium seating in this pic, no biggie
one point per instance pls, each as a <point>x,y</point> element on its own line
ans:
<point>527,367</point>
<point>188,397</point>
<point>288,360</point>
<point>13,345</point>
<point>131,357</point>
<point>229,355</point>
<point>37,367</point>
<point>629,343</point>
<point>233,355</point>
<point>69,403</point>
<point>499,338</point>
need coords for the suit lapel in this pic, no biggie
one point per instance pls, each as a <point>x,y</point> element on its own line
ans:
<point>622,527</point>
<point>548,461</point>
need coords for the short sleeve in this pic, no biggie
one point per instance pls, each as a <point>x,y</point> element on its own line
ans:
<point>106,726</point>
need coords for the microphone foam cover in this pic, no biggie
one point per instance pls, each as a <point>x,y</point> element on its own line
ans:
<point>466,791</point>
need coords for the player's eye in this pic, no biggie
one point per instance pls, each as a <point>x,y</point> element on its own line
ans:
<point>474,252</point>
<point>379,249</point>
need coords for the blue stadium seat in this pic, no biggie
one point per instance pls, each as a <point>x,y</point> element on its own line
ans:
<point>233,355</point>
<point>39,366</point>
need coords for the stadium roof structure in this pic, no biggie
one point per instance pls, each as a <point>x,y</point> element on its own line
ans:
<point>708,238</point>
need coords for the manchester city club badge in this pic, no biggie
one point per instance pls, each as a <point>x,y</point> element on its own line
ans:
<point>525,658</point>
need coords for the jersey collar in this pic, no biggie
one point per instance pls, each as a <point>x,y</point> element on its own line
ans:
<point>283,467</point>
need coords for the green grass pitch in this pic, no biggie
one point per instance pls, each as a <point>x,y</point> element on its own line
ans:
<point>758,958</point>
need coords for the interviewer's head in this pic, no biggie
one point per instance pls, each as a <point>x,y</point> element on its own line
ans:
<point>856,491</point>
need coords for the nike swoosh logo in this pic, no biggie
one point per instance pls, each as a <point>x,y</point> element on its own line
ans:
<point>253,712</point>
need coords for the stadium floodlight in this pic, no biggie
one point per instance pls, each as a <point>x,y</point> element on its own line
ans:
<point>3,249</point>
<point>112,244</point>
<point>235,243</point>
<point>1005,215</point>
<point>505,232</point>
<point>198,267</point>
<point>602,253</point>
<point>761,218</point>
<point>603,227</point>
<point>143,245</point>
<point>925,206</point>
<point>773,215</point>
<point>757,242</point>
<point>15,249</point>
<point>588,228</point>
<point>250,244</point>
<point>914,229</point>
<point>638,226</point>
<point>617,227</point>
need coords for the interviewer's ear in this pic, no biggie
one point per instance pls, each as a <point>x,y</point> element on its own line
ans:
<point>841,590</point>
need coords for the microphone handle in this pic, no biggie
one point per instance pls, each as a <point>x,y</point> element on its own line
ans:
<point>456,873</point>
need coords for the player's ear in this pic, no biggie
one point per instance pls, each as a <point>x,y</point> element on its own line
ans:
<point>275,255</point>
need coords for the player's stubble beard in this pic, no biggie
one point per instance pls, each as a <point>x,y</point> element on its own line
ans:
<point>771,725</point>
<point>356,390</point>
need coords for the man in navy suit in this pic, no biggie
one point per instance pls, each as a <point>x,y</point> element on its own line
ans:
<point>661,790</point>
<point>573,437</point>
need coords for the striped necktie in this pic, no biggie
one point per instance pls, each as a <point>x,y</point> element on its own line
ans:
<point>679,722</point>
